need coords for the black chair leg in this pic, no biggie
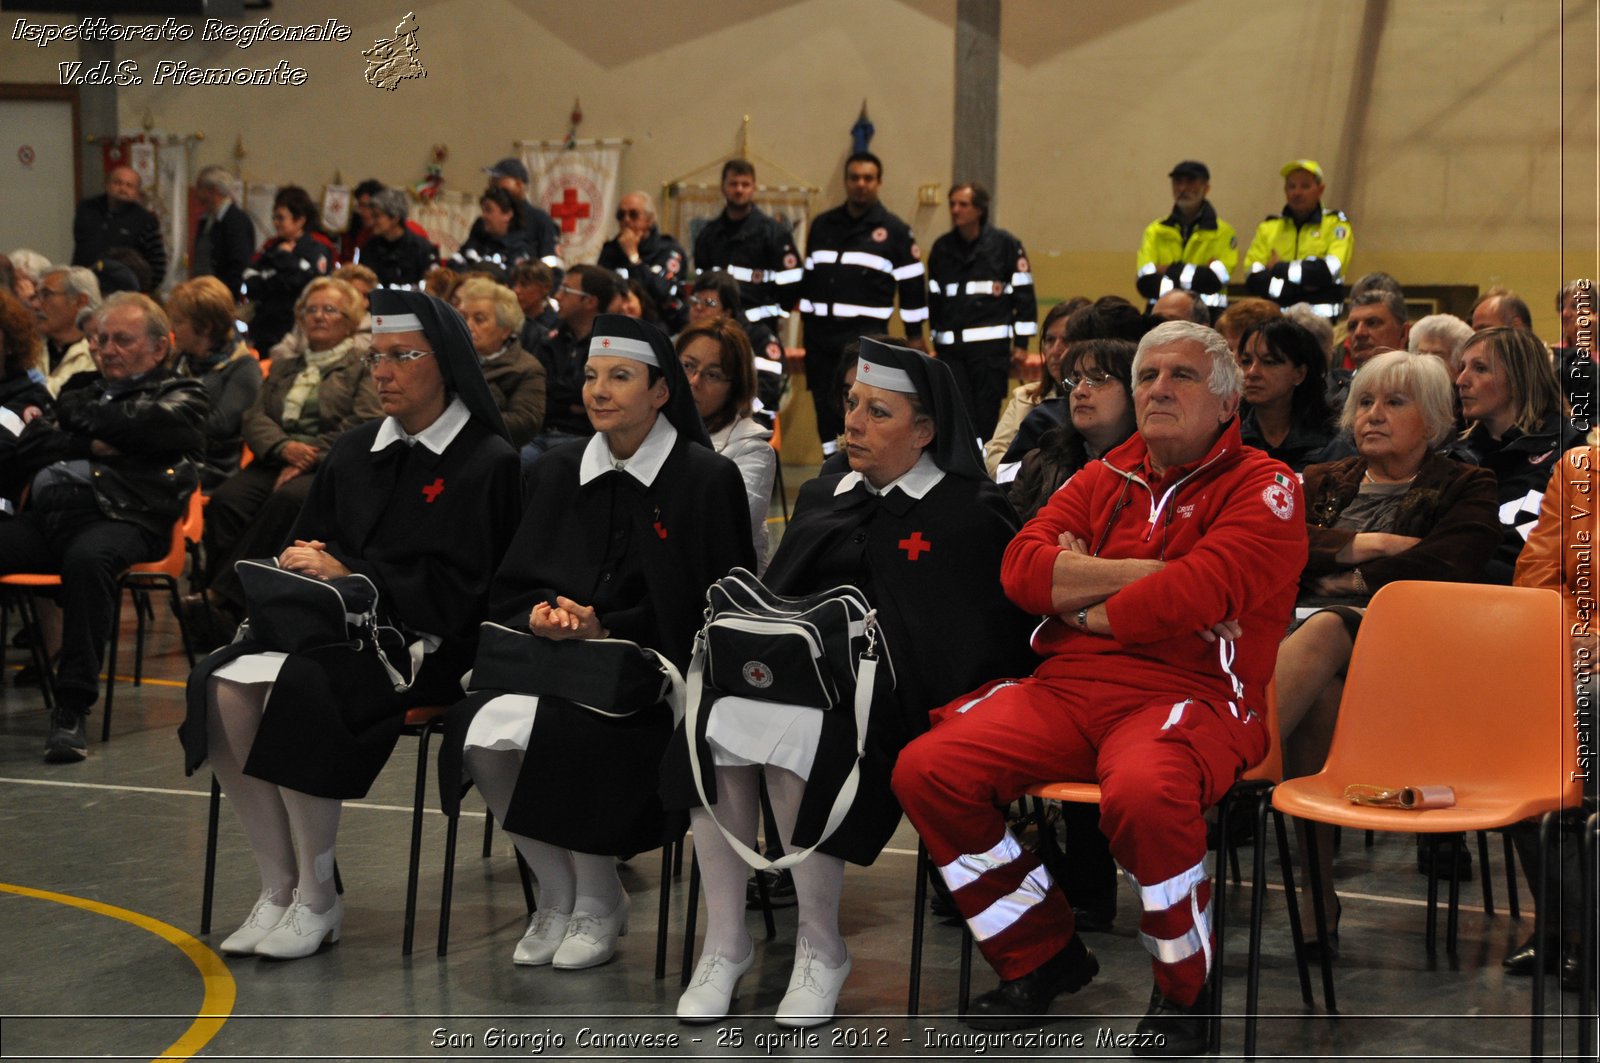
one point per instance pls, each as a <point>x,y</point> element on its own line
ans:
<point>447,883</point>
<point>1453,921</point>
<point>488,833</point>
<point>919,916</point>
<point>111,670</point>
<point>965,997</point>
<point>415,869</point>
<point>525,873</point>
<point>1431,938</point>
<point>1541,900</point>
<point>1319,913</point>
<point>141,605</point>
<point>1512,904</point>
<point>1488,880</point>
<point>690,918</point>
<point>209,890</point>
<point>664,909</point>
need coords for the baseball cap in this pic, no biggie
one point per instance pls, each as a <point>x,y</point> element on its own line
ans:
<point>1311,166</point>
<point>509,167</point>
<point>1191,168</point>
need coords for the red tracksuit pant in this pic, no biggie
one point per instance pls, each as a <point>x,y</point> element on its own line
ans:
<point>1160,761</point>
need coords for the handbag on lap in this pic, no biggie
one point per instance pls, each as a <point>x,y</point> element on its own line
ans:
<point>613,677</point>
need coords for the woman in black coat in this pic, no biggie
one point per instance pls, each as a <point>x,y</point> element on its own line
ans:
<point>422,503</point>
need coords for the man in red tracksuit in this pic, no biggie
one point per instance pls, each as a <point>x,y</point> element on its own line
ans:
<point>1166,574</point>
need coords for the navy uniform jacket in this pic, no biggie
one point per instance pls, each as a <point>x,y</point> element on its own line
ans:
<point>981,293</point>
<point>854,269</point>
<point>757,251</point>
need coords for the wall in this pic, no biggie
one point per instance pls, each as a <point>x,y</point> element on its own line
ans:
<point>1458,134</point>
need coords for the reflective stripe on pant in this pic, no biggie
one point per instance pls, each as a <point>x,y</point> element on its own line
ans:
<point>1158,769</point>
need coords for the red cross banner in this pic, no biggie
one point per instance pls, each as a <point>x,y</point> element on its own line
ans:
<point>578,187</point>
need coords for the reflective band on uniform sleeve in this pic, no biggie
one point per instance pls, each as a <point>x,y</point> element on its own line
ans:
<point>1167,284</point>
<point>1163,895</point>
<point>1275,287</point>
<point>768,365</point>
<point>1026,328</point>
<point>1004,913</point>
<point>861,258</point>
<point>1296,269</point>
<point>986,332</point>
<point>822,256</point>
<point>944,337</point>
<point>882,313</point>
<point>1334,266</point>
<point>1256,267</point>
<point>1019,279</point>
<point>1178,949</point>
<point>1215,299</point>
<point>969,867</point>
<point>905,273</point>
<point>741,273</point>
<point>808,307</point>
<point>756,313</point>
<point>1007,471</point>
<point>950,290</point>
<point>1186,276</point>
<point>1219,269</point>
<point>1327,309</point>
<point>1147,269</point>
<point>787,276</point>
<point>912,316</point>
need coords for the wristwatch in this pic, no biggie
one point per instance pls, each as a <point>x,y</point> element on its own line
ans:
<point>1083,618</point>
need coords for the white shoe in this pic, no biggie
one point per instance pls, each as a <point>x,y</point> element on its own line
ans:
<point>545,931</point>
<point>713,987</point>
<point>813,989</point>
<point>264,918</point>
<point>302,931</point>
<point>591,939</point>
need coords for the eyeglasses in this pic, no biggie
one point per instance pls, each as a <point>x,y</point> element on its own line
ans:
<point>709,302</point>
<point>578,293</point>
<point>628,214</point>
<point>1088,380</point>
<point>710,374</point>
<point>326,310</point>
<point>372,359</point>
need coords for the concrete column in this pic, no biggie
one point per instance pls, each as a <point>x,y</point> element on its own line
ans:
<point>977,110</point>
<point>97,114</point>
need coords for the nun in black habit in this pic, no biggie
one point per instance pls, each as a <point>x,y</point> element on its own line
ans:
<point>423,503</point>
<point>622,535</point>
<point>917,525</point>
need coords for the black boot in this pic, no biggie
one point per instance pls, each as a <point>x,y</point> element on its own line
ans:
<point>68,743</point>
<point>1025,1001</point>
<point>1172,1029</point>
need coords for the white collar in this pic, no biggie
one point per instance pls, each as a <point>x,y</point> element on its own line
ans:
<point>645,463</point>
<point>435,437</point>
<point>916,481</point>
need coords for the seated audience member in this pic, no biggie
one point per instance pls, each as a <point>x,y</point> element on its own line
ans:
<point>641,250</point>
<point>286,263</point>
<point>1158,645</point>
<point>1181,305</point>
<point>717,294</point>
<point>29,265</point>
<point>501,243</point>
<point>421,503</point>
<point>1516,428</point>
<point>620,538</point>
<point>540,230</point>
<point>915,477</point>
<point>398,256</point>
<point>1376,322</point>
<point>1285,393</point>
<point>1109,317</point>
<point>1397,510</point>
<point>309,399</point>
<point>1440,335</point>
<point>23,395</point>
<point>359,230</point>
<point>1098,378</point>
<point>210,351</point>
<point>1319,327</point>
<point>516,378</point>
<point>635,300</point>
<point>441,282</point>
<point>109,470</point>
<point>1026,397</point>
<point>584,293</point>
<point>716,359</point>
<point>534,282</point>
<point>1500,307</point>
<point>1555,557</point>
<point>1243,315</point>
<point>61,295</point>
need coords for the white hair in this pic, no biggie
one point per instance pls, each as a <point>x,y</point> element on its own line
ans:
<point>1226,380</point>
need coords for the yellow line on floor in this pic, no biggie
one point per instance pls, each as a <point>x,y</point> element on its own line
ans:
<point>129,679</point>
<point>220,990</point>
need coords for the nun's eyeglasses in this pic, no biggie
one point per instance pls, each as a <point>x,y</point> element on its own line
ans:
<point>372,359</point>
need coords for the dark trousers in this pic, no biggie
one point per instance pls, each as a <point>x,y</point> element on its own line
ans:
<point>981,371</point>
<point>246,518</point>
<point>823,347</point>
<point>70,536</point>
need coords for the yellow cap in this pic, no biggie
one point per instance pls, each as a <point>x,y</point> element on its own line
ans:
<point>1311,166</point>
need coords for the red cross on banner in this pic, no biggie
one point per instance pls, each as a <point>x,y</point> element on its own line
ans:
<point>433,490</point>
<point>569,210</point>
<point>915,546</point>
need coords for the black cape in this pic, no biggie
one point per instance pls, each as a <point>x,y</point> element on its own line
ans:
<point>428,530</point>
<point>947,622</point>
<point>643,558</point>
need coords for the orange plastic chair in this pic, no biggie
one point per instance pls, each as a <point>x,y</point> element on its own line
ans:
<point>1420,708</point>
<point>162,574</point>
<point>20,587</point>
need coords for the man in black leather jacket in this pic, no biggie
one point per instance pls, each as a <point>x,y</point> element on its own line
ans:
<point>108,475</point>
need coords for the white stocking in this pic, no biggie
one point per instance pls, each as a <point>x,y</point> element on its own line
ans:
<point>723,872</point>
<point>495,773</point>
<point>599,885</point>
<point>314,822</point>
<point>233,713</point>
<point>818,879</point>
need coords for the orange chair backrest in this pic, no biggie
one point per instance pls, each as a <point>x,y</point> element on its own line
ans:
<point>1459,685</point>
<point>177,552</point>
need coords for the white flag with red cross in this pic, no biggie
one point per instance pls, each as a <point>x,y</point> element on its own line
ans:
<point>578,187</point>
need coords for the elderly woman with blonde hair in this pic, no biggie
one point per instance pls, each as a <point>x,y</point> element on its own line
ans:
<point>516,378</point>
<point>210,350</point>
